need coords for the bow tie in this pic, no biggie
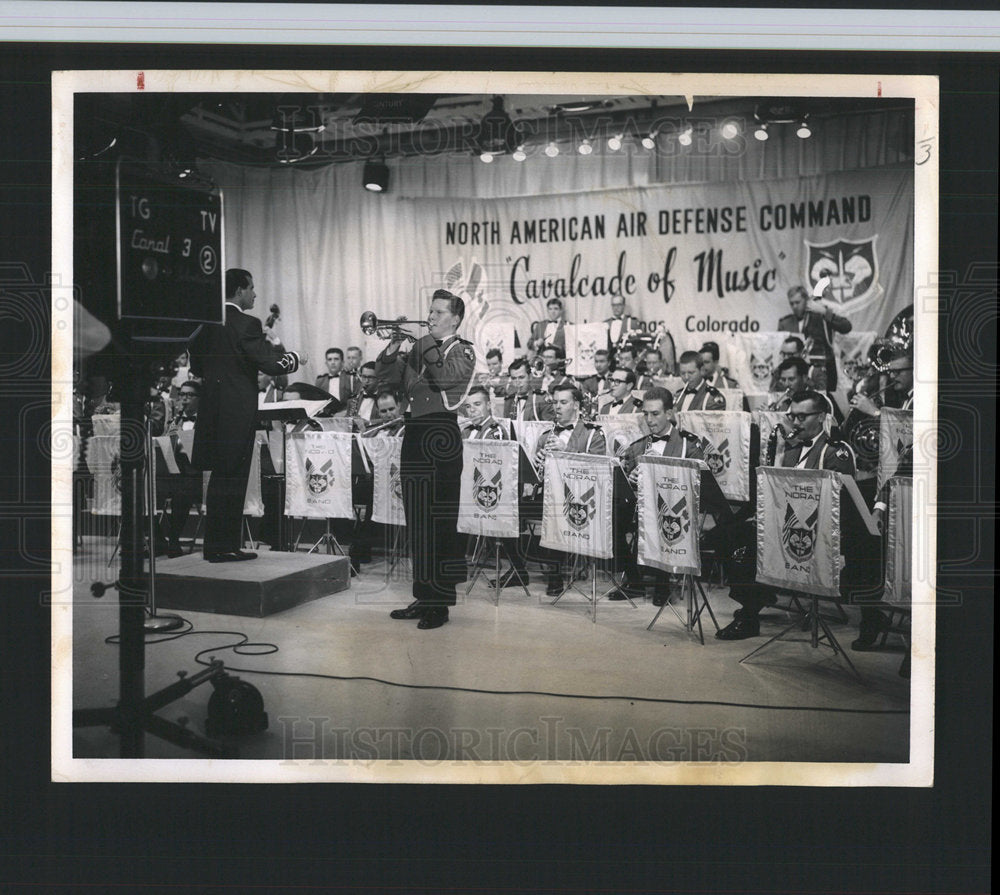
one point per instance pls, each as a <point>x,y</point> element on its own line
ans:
<point>559,428</point>
<point>659,438</point>
<point>617,403</point>
<point>805,445</point>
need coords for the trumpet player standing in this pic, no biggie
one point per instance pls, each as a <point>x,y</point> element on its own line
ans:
<point>435,376</point>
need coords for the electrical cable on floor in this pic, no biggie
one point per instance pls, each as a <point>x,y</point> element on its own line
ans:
<point>245,648</point>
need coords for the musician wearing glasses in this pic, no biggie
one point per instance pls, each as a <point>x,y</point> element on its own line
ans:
<point>435,378</point>
<point>809,447</point>
<point>570,433</point>
<point>619,399</point>
<point>900,372</point>
<point>523,403</point>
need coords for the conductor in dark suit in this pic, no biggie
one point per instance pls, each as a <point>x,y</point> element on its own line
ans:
<point>227,358</point>
<point>818,328</point>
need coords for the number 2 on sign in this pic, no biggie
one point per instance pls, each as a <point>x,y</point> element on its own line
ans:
<point>926,146</point>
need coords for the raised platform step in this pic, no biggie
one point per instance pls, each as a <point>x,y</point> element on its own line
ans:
<point>271,583</point>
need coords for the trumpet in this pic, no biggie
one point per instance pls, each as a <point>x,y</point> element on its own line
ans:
<point>388,329</point>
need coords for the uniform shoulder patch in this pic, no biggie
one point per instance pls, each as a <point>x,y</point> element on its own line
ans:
<point>468,350</point>
<point>842,451</point>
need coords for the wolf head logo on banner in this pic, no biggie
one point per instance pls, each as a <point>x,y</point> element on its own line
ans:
<point>717,458</point>
<point>674,521</point>
<point>486,493</point>
<point>798,540</point>
<point>579,511</point>
<point>851,265</point>
<point>319,479</point>
<point>762,369</point>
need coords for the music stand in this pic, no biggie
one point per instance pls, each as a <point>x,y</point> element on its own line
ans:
<point>282,412</point>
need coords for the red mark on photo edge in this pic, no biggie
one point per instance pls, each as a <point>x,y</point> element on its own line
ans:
<point>879,87</point>
<point>140,82</point>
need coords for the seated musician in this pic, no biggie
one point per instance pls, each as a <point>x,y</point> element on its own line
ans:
<point>697,394</point>
<point>597,385</point>
<point>619,399</point>
<point>570,433</point>
<point>793,346</point>
<point>523,403</point>
<point>654,366</point>
<point>494,379</point>
<point>554,373</point>
<point>665,439</point>
<point>482,425</point>
<point>364,404</point>
<point>184,489</point>
<point>793,377</point>
<point>808,447</point>
<point>711,371</point>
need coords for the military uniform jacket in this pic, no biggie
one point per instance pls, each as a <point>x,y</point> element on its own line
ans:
<point>436,378</point>
<point>630,325</point>
<point>585,438</point>
<point>814,326</point>
<point>628,405</point>
<point>595,385</point>
<point>490,429</point>
<point>227,357</point>
<point>821,453</point>
<point>536,407</point>
<point>721,380</point>
<point>346,385</point>
<point>676,443</point>
<point>557,334</point>
<point>706,397</point>
<point>355,404</point>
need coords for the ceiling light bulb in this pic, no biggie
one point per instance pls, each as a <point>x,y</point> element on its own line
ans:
<point>730,130</point>
<point>649,141</point>
<point>685,136</point>
<point>804,131</point>
<point>552,150</point>
<point>518,154</point>
<point>615,142</point>
<point>585,148</point>
<point>486,157</point>
<point>761,132</point>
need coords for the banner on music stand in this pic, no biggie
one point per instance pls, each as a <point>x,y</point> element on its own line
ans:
<point>753,358</point>
<point>620,430</point>
<point>527,432</point>
<point>492,334</point>
<point>895,435</point>
<point>798,530</point>
<point>577,504</point>
<point>668,494</point>
<point>318,475</point>
<point>724,436</point>
<point>488,503</point>
<point>104,463</point>
<point>253,503</point>
<point>582,340</point>
<point>106,423</point>
<point>733,398</point>
<point>899,547</point>
<point>387,494</point>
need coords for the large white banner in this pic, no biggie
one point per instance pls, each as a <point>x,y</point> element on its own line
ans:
<point>725,441</point>
<point>387,498</point>
<point>489,489</point>
<point>798,530</point>
<point>318,475</point>
<point>582,340</point>
<point>753,359</point>
<point>577,504</point>
<point>899,543</point>
<point>711,261</point>
<point>668,497</point>
<point>895,436</point>
<point>104,463</point>
<point>620,430</point>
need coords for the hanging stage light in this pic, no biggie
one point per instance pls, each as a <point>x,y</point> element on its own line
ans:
<point>649,141</point>
<point>519,154</point>
<point>804,132</point>
<point>376,176</point>
<point>761,131</point>
<point>686,136</point>
<point>486,157</point>
<point>552,150</point>
<point>585,148</point>
<point>730,130</point>
<point>615,142</point>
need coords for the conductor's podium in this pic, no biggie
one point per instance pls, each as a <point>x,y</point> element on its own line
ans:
<point>273,582</point>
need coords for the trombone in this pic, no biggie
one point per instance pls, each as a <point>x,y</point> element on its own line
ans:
<point>388,329</point>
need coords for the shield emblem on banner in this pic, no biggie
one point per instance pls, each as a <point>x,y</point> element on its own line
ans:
<point>851,265</point>
<point>319,479</point>
<point>395,485</point>
<point>799,540</point>
<point>718,458</point>
<point>674,521</point>
<point>761,370</point>
<point>486,493</point>
<point>579,511</point>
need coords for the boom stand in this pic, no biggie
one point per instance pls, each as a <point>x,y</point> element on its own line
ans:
<point>154,623</point>
<point>479,565</point>
<point>133,715</point>
<point>816,622</point>
<point>694,607</point>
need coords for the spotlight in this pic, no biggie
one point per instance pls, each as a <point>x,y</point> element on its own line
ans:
<point>552,150</point>
<point>686,136</point>
<point>649,141</point>
<point>730,130</point>
<point>376,177</point>
<point>585,148</point>
<point>486,157</point>
<point>615,142</point>
<point>761,131</point>
<point>804,132</point>
<point>519,154</point>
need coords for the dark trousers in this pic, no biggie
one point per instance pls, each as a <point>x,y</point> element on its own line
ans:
<point>183,491</point>
<point>431,475</point>
<point>224,506</point>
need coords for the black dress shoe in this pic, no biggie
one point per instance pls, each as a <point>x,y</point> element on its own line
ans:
<point>232,556</point>
<point>433,617</point>
<point>869,632</point>
<point>555,586</point>
<point>739,629</point>
<point>511,578</point>
<point>414,610</point>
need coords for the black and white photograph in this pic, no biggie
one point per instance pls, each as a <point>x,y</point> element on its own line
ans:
<point>496,428</point>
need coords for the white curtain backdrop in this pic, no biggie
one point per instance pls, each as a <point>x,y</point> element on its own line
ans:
<point>325,249</point>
